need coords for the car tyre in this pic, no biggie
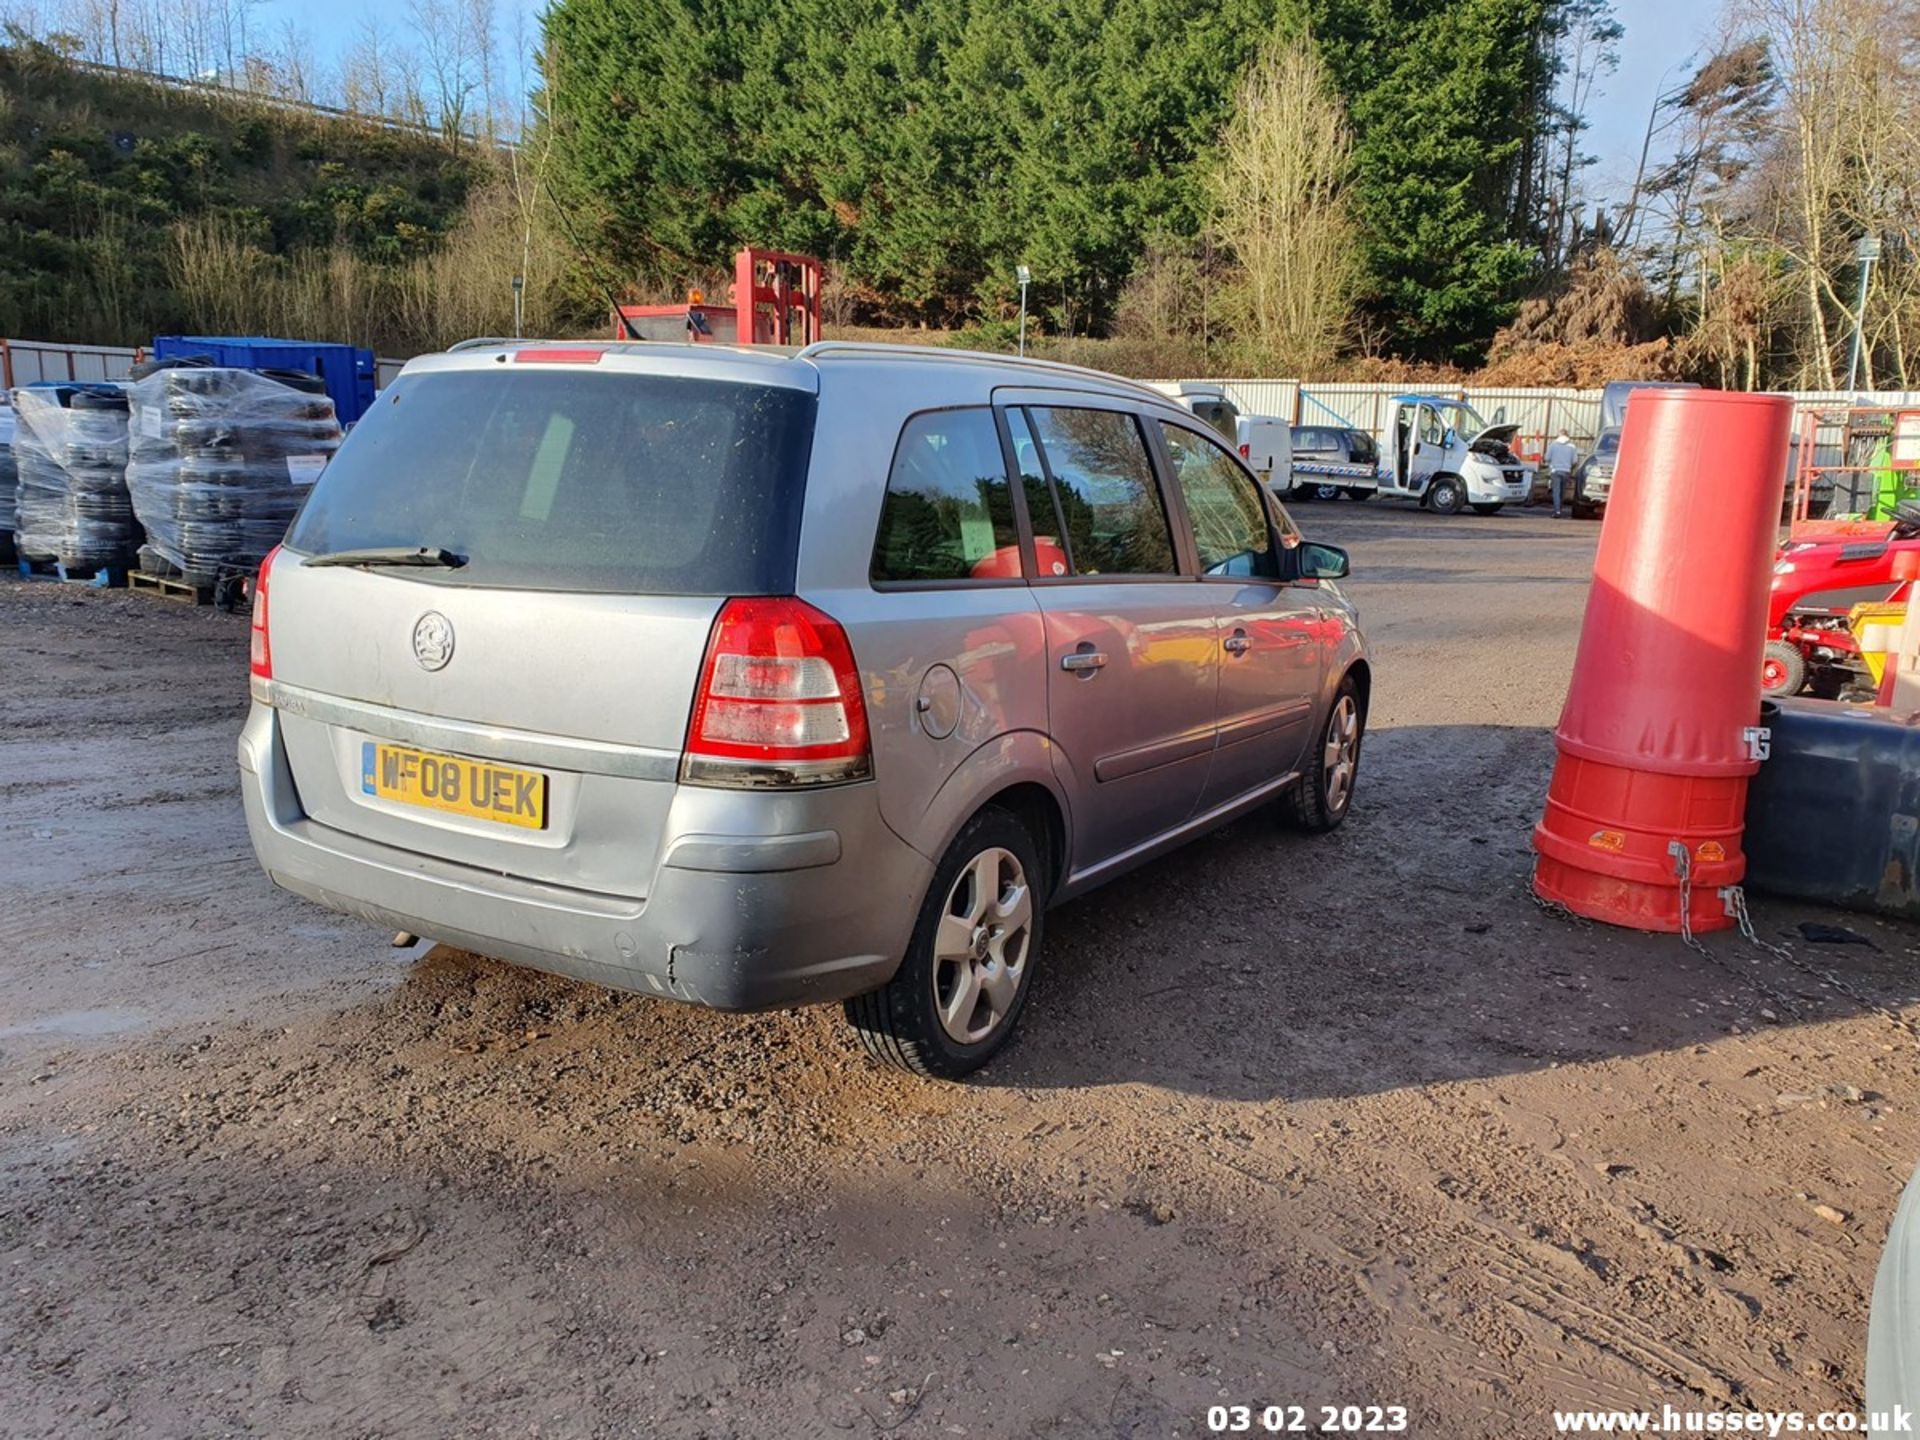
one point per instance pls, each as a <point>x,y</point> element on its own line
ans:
<point>954,1002</point>
<point>1783,669</point>
<point>1447,496</point>
<point>1321,799</point>
<point>1493,508</point>
<point>1328,493</point>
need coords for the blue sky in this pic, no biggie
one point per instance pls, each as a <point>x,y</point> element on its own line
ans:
<point>1660,35</point>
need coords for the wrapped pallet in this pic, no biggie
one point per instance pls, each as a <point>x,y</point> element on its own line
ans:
<point>70,448</point>
<point>9,477</point>
<point>221,460</point>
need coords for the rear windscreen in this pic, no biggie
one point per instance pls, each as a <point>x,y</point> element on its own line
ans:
<point>562,481</point>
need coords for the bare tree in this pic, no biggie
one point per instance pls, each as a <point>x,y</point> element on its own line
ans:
<point>1280,210</point>
<point>1830,134</point>
<point>449,51</point>
<point>366,81</point>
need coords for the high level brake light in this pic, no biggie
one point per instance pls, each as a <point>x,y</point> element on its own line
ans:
<point>260,648</point>
<point>779,701</point>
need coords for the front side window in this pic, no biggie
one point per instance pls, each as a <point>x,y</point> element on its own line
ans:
<point>1229,522</point>
<point>948,514</point>
<point>1109,505</point>
<point>1431,430</point>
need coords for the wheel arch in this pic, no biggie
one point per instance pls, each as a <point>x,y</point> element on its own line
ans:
<point>1038,809</point>
<point>1015,772</point>
<point>1361,673</point>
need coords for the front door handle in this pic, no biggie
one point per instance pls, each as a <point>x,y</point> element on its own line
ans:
<point>1083,662</point>
<point>1236,644</point>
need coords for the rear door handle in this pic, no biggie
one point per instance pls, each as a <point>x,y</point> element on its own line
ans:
<point>1083,661</point>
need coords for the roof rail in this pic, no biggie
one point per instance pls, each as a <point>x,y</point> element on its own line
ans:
<point>482,342</point>
<point>940,352</point>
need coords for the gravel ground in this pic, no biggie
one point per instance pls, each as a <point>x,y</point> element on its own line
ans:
<point>1346,1120</point>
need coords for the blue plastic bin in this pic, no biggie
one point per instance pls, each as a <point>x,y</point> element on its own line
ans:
<point>348,370</point>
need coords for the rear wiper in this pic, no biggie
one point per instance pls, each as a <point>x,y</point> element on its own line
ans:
<point>391,555</point>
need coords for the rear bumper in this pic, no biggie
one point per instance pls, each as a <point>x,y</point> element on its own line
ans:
<point>760,900</point>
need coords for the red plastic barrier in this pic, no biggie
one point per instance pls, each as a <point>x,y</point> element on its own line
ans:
<point>1654,738</point>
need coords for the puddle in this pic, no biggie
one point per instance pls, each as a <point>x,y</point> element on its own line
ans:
<point>84,1023</point>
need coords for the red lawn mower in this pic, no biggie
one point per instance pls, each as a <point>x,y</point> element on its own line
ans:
<point>1817,581</point>
<point>1845,460</point>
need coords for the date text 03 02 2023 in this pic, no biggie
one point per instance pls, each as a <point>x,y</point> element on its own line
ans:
<point>1307,1420</point>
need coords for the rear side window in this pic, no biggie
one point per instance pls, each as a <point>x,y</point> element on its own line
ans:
<point>1107,500</point>
<point>611,482</point>
<point>1229,522</point>
<point>948,514</point>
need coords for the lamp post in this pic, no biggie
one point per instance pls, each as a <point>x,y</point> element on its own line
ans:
<point>1024,276</point>
<point>1866,250</point>
<point>519,290</point>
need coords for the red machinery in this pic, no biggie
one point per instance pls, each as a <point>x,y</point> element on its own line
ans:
<point>1831,563</point>
<point>779,292</point>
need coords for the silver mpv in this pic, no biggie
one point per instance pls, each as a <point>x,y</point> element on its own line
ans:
<point>757,679</point>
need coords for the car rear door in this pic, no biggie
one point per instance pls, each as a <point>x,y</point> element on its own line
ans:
<point>1269,627</point>
<point>525,712</point>
<point>1132,651</point>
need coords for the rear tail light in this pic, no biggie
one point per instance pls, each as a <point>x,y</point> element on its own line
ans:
<point>260,656</point>
<point>779,701</point>
<point>1246,451</point>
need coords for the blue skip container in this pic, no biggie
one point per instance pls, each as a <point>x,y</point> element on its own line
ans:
<point>348,371</point>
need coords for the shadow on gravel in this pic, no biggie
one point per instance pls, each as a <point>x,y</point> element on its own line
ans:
<point>1403,949</point>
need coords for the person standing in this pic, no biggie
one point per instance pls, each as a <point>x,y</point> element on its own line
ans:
<point>1561,458</point>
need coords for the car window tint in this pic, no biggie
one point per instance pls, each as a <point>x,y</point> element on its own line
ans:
<point>948,512</point>
<point>1229,523</point>
<point>1105,487</point>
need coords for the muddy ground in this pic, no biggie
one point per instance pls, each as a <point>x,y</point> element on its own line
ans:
<point>1290,1120</point>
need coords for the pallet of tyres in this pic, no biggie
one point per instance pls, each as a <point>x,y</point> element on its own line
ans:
<point>221,460</point>
<point>70,452</point>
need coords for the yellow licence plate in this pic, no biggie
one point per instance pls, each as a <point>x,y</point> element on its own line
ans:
<point>479,788</point>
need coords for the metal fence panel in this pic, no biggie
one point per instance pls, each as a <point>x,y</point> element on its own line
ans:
<point>26,362</point>
<point>1540,413</point>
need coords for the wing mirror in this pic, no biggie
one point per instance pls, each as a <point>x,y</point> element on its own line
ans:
<point>1323,562</point>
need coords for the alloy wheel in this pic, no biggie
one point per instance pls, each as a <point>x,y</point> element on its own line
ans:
<point>980,948</point>
<point>1340,757</point>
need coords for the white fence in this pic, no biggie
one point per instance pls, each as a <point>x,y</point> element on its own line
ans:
<point>27,362</point>
<point>1540,413</point>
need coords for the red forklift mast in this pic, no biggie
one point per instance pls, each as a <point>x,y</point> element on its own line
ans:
<point>776,301</point>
